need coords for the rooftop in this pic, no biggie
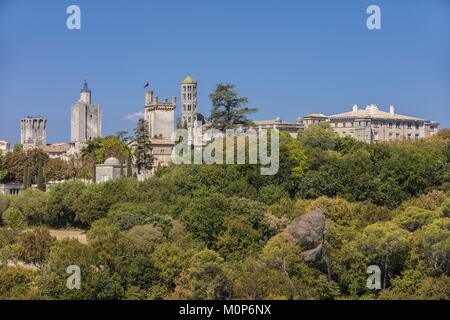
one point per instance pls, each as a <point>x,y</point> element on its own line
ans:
<point>188,80</point>
<point>373,112</point>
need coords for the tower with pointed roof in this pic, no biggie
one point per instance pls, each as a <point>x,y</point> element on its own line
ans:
<point>188,101</point>
<point>86,118</point>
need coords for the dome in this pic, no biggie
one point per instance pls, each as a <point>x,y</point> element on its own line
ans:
<point>112,162</point>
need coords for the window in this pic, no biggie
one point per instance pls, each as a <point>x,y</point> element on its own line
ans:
<point>344,125</point>
<point>397,125</point>
<point>375,136</point>
<point>390,124</point>
<point>417,126</point>
<point>409,136</point>
<point>409,125</point>
<point>417,137</point>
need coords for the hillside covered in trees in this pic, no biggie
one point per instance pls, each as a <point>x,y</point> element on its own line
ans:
<point>335,207</point>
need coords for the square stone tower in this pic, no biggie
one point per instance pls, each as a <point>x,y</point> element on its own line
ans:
<point>33,132</point>
<point>86,118</point>
<point>160,116</point>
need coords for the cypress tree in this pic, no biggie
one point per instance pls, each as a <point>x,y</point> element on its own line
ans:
<point>143,149</point>
<point>129,164</point>
<point>94,169</point>
<point>40,179</point>
<point>25,177</point>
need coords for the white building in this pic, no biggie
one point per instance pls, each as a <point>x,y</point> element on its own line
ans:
<point>4,146</point>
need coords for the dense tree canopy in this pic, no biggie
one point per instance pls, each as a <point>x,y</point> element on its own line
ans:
<point>335,207</point>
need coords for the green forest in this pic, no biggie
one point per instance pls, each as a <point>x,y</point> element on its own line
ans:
<point>336,207</point>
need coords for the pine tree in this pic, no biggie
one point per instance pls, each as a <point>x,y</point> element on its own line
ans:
<point>129,165</point>
<point>143,150</point>
<point>228,108</point>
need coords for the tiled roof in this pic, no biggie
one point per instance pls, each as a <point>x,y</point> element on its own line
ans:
<point>374,113</point>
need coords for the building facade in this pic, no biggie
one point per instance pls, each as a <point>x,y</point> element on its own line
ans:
<point>160,116</point>
<point>283,126</point>
<point>109,170</point>
<point>86,118</point>
<point>188,102</point>
<point>4,146</point>
<point>11,188</point>
<point>33,132</point>
<point>373,125</point>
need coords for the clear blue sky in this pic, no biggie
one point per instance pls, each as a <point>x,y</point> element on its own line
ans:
<point>289,57</point>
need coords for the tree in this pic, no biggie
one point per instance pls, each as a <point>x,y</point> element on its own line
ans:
<point>60,205</point>
<point>228,108</point>
<point>14,219</point>
<point>16,284</point>
<point>204,279</point>
<point>320,136</point>
<point>57,169</point>
<point>91,205</point>
<point>386,245</point>
<point>33,247</point>
<point>205,215</point>
<point>129,165</point>
<point>32,203</point>
<point>26,178</point>
<point>143,149</point>
<point>40,179</point>
<point>104,148</point>
<point>121,135</point>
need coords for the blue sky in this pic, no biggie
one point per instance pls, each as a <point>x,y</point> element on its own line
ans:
<point>289,57</point>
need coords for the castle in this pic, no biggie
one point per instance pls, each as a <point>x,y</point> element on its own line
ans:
<point>368,124</point>
<point>86,118</point>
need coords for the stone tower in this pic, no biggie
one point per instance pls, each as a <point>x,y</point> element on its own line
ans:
<point>86,118</point>
<point>188,101</point>
<point>160,116</point>
<point>33,132</point>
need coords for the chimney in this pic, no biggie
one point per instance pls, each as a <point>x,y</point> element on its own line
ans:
<point>392,110</point>
<point>355,108</point>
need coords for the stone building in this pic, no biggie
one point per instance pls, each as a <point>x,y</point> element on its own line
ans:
<point>86,118</point>
<point>188,102</point>
<point>160,116</point>
<point>4,146</point>
<point>109,170</point>
<point>373,125</point>
<point>33,132</point>
<point>283,126</point>
<point>11,188</point>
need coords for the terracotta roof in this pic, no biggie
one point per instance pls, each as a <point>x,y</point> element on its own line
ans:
<point>56,148</point>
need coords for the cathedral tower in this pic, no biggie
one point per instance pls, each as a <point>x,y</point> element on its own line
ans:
<point>86,118</point>
<point>188,101</point>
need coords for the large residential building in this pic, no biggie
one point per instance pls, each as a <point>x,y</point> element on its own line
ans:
<point>33,132</point>
<point>86,118</point>
<point>283,126</point>
<point>373,125</point>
